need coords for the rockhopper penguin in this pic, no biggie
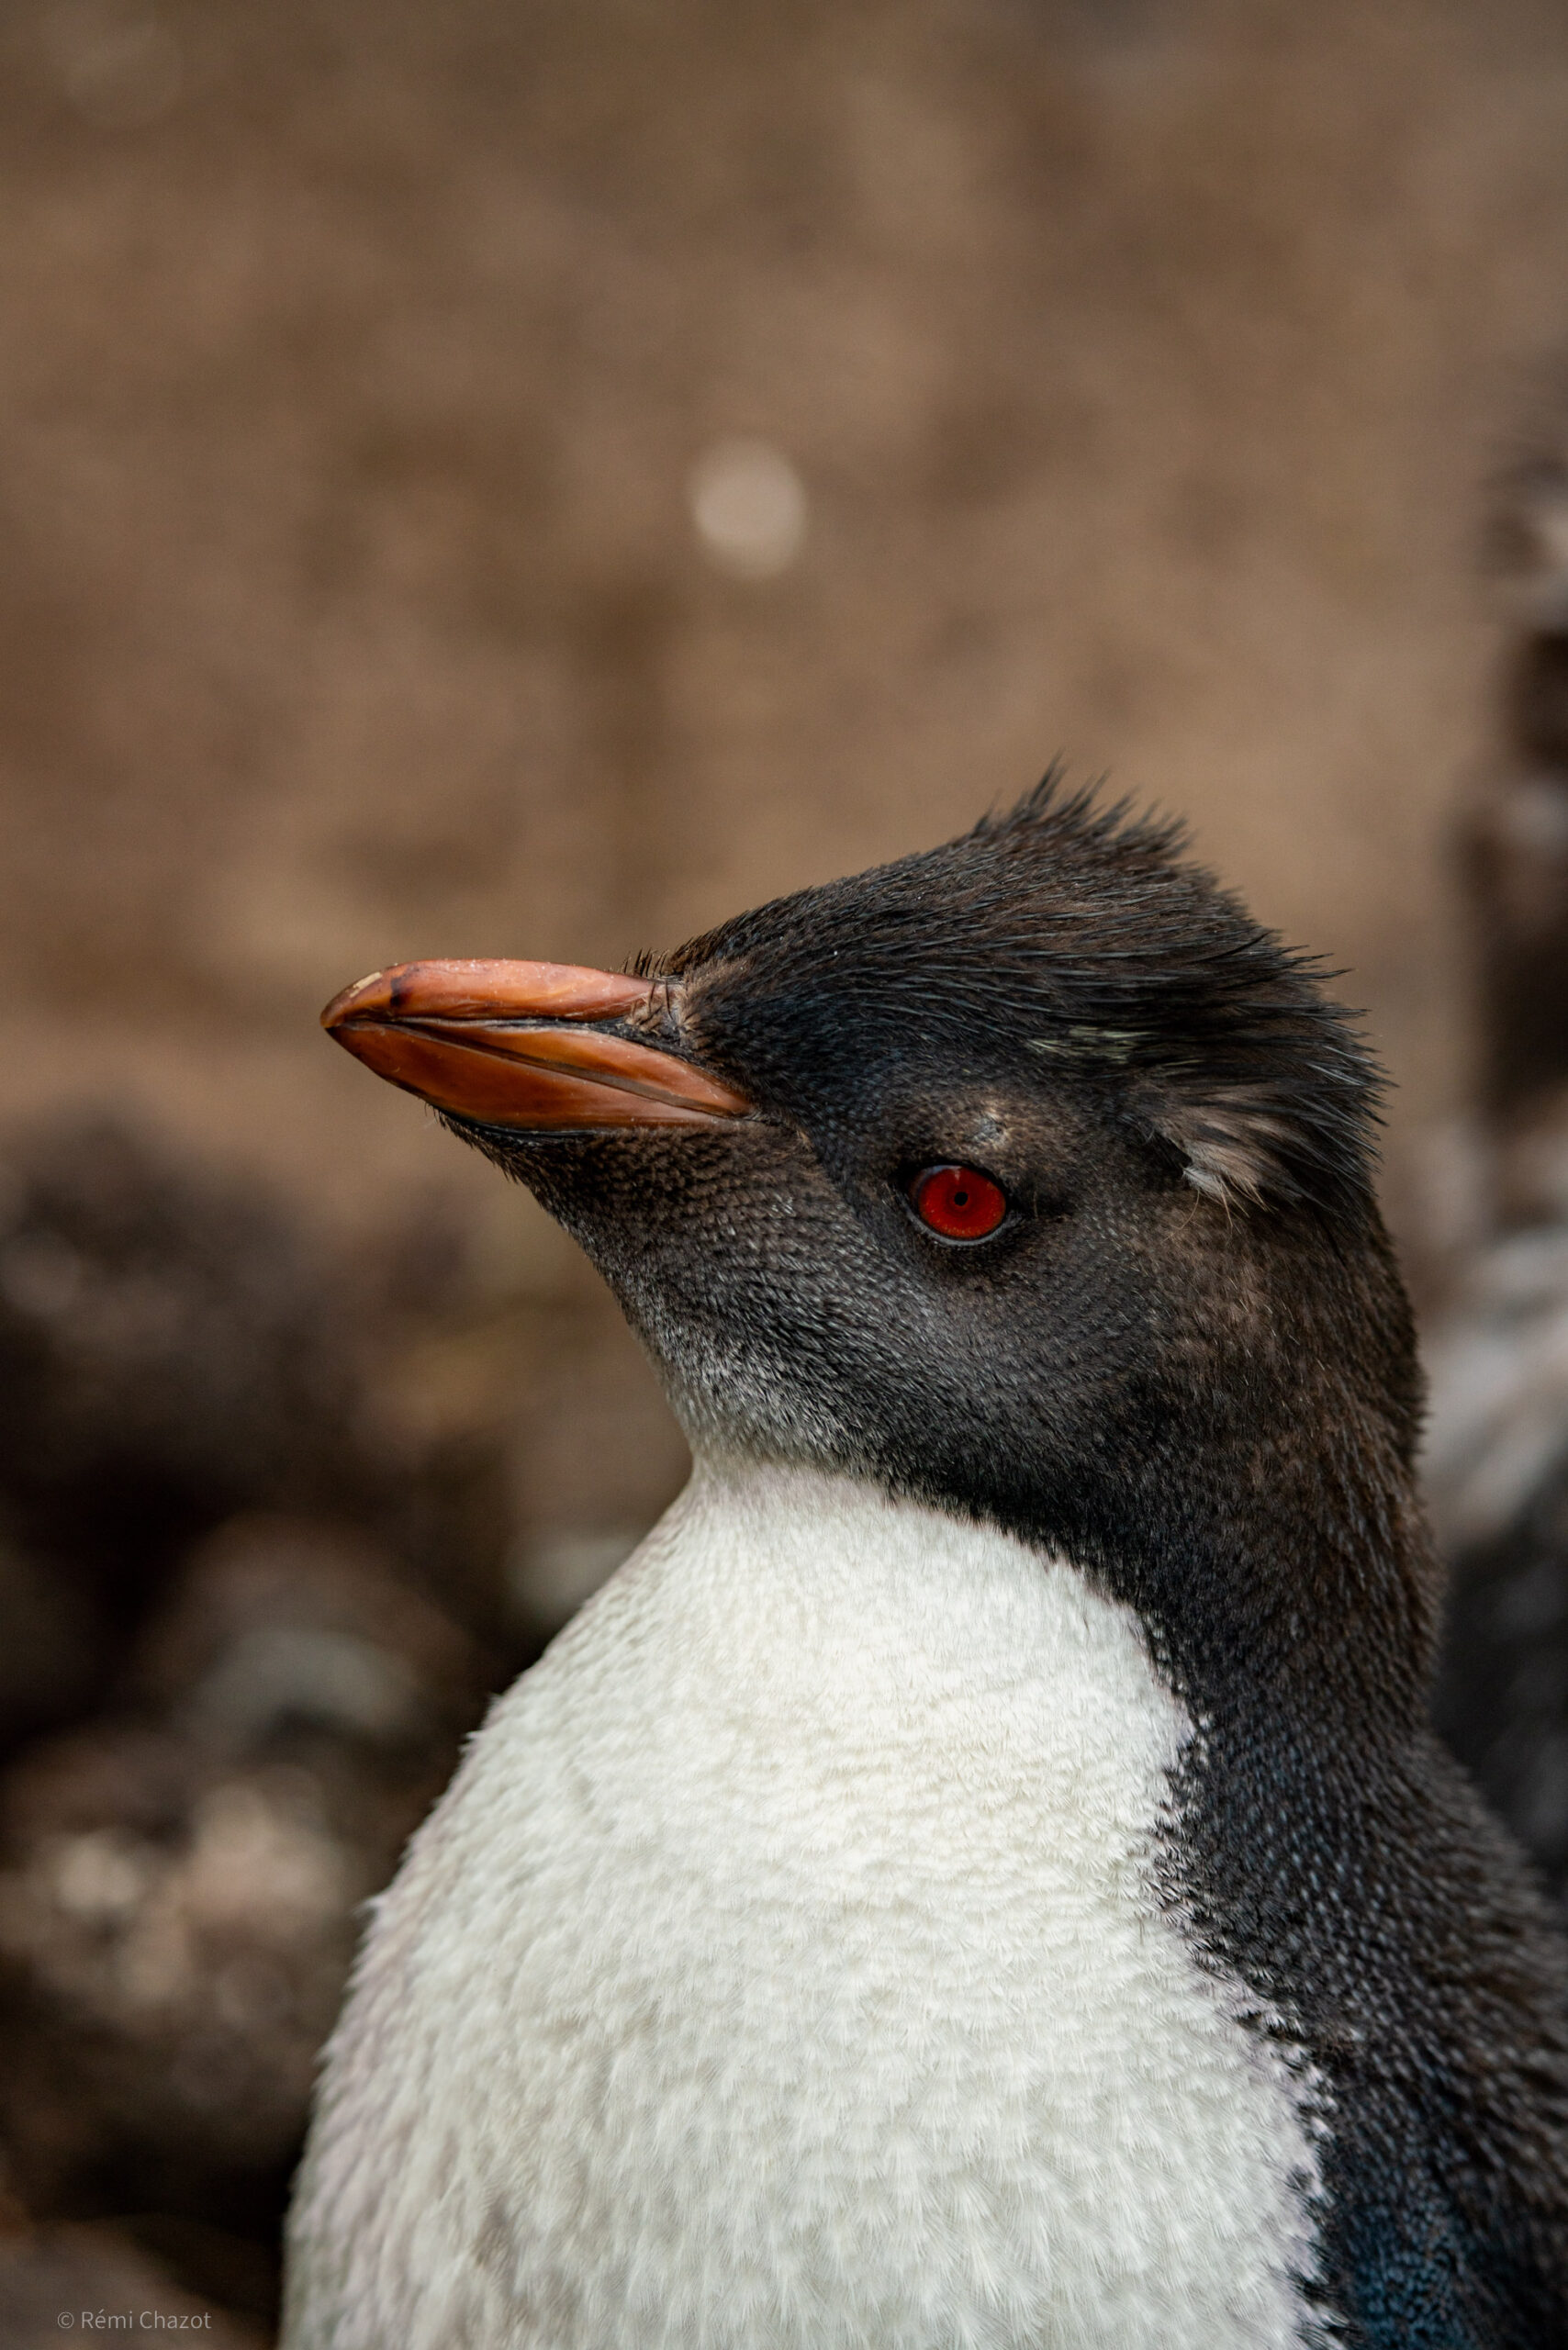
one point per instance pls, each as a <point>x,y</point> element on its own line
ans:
<point>980,1876</point>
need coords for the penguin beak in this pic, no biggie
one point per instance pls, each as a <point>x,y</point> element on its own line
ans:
<point>514,1045</point>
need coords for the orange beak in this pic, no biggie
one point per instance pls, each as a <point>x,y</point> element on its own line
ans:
<point>510,1044</point>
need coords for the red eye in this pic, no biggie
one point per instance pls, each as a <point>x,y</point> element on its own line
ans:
<point>958,1201</point>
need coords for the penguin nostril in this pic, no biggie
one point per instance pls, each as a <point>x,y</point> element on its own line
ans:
<point>959,1202</point>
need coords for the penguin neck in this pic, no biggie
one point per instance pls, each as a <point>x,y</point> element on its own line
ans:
<point>815,1552</point>
<point>788,1573</point>
<point>1287,1564</point>
<point>1284,1564</point>
<point>1259,1511</point>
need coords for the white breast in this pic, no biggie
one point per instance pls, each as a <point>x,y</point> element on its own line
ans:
<point>787,1967</point>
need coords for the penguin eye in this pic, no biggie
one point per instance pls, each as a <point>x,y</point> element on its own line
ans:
<point>957,1202</point>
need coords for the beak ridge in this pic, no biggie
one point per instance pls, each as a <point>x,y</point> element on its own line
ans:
<point>495,992</point>
<point>509,1043</point>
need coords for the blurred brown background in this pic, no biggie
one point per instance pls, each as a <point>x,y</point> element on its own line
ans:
<point>482,478</point>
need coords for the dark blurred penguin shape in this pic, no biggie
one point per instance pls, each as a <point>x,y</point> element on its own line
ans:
<point>1498,1437</point>
<point>982,1873</point>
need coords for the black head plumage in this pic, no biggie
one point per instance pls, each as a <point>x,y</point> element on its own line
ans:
<point>1075,934</point>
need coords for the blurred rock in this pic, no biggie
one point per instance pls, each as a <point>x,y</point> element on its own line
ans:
<point>1513,833</point>
<point>55,1645</point>
<point>166,1993</point>
<point>1497,1478</point>
<point>278,1627</point>
<point>180,1882</point>
<point>1503,1691</point>
<point>1514,857</point>
<point>553,1572</point>
<point>1527,533</point>
<point>171,1349</point>
<point>1497,1364</point>
<point>594,1457</point>
<point>175,1348</point>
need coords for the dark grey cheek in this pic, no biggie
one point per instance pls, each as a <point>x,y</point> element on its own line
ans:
<point>779,1335</point>
<point>783,1326</point>
<point>738,1266</point>
<point>732,1390</point>
<point>764,1357</point>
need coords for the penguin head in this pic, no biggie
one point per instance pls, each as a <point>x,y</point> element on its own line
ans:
<point>1023,1175</point>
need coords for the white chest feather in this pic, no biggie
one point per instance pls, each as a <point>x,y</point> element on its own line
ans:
<point>786,1967</point>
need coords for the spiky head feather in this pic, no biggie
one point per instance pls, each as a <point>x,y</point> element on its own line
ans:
<point>1075,934</point>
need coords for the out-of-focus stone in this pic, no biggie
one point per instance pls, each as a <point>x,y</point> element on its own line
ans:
<point>171,1349</point>
<point>554,1571</point>
<point>53,1644</point>
<point>180,1885</point>
<point>279,1625</point>
<point>1513,848</point>
<point>167,1982</point>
